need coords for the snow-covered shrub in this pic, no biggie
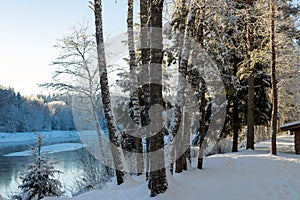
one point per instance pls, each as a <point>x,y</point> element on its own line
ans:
<point>38,180</point>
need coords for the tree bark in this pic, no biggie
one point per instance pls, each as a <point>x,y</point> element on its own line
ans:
<point>273,77</point>
<point>250,103</point>
<point>235,121</point>
<point>157,180</point>
<point>177,115</point>
<point>203,91</point>
<point>134,97</point>
<point>235,117</point>
<point>202,124</point>
<point>145,59</point>
<point>113,133</point>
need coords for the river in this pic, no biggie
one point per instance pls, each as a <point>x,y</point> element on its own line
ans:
<point>11,168</point>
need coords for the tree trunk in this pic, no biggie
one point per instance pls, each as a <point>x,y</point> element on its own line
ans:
<point>273,77</point>
<point>235,118</point>
<point>134,97</point>
<point>145,59</point>
<point>177,115</point>
<point>202,125</point>
<point>113,137</point>
<point>250,103</point>
<point>250,116</point>
<point>157,180</point>
<point>203,91</point>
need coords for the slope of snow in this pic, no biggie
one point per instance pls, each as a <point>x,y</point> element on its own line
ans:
<point>245,175</point>
<point>51,149</point>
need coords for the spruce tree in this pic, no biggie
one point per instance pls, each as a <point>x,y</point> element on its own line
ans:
<point>39,181</point>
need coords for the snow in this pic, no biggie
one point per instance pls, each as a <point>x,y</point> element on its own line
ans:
<point>14,139</point>
<point>290,124</point>
<point>248,174</point>
<point>51,149</point>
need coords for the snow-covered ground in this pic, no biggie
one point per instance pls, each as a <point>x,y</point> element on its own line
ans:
<point>27,138</point>
<point>245,175</point>
<point>51,149</point>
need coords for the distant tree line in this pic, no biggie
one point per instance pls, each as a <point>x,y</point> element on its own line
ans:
<point>29,114</point>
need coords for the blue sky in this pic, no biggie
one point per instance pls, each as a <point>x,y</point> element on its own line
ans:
<point>30,28</point>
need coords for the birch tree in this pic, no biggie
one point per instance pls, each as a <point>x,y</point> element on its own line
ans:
<point>157,180</point>
<point>76,74</point>
<point>106,99</point>
<point>180,26</point>
<point>134,96</point>
<point>145,60</point>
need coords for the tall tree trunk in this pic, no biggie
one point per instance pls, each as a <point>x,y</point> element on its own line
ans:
<point>235,118</point>
<point>113,137</point>
<point>202,124</point>
<point>182,69</point>
<point>273,77</point>
<point>235,121</point>
<point>134,97</point>
<point>157,180</point>
<point>145,59</point>
<point>203,91</point>
<point>251,105</point>
<point>186,130</point>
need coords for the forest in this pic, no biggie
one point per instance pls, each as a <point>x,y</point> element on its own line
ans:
<point>34,114</point>
<point>197,75</point>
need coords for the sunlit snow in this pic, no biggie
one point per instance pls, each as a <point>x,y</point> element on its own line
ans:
<point>248,174</point>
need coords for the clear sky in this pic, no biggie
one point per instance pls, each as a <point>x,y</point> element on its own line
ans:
<point>30,28</point>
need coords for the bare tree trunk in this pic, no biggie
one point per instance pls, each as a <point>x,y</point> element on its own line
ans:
<point>185,45</point>
<point>113,137</point>
<point>273,77</point>
<point>177,115</point>
<point>145,59</point>
<point>251,105</point>
<point>235,119</point>
<point>134,97</point>
<point>157,180</point>
<point>202,124</point>
<point>203,91</point>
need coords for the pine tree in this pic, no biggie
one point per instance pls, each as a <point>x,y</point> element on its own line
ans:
<point>39,179</point>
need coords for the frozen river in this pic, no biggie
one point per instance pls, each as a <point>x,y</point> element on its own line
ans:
<point>62,147</point>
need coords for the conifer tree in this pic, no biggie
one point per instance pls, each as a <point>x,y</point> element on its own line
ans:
<point>39,179</point>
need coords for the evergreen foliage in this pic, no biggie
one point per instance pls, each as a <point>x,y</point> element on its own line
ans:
<point>29,114</point>
<point>39,179</point>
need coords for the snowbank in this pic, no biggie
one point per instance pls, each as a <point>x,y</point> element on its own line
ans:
<point>51,149</point>
<point>245,175</point>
